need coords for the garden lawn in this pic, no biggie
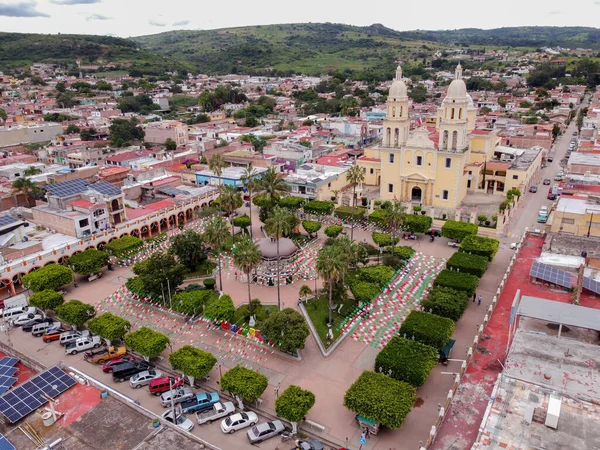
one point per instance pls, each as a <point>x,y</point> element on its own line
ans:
<point>319,316</point>
<point>202,270</point>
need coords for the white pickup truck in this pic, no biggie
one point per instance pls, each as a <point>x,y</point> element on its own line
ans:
<point>82,344</point>
<point>216,412</point>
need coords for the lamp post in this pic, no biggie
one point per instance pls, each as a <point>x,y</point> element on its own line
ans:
<point>590,225</point>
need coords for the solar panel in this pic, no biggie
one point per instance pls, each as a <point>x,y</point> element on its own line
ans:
<point>6,220</point>
<point>6,383</point>
<point>105,188</point>
<point>8,361</point>
<point>27,397</point>
<point>67,188</point>
<point>4,444</point>
<point>591,285</point>
<point>551,274</point>
<point>8,371</point>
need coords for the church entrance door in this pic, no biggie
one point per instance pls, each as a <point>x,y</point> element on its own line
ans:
<point>416,194</point>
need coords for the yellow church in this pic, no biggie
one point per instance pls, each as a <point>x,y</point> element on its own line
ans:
<point>431,169</point>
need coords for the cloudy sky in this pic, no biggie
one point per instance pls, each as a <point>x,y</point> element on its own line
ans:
<point>139,17</point>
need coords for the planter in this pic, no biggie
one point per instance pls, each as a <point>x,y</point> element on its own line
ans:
<point>104,394</point>
<point>156,423</point>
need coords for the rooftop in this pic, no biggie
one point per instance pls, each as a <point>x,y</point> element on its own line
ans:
<point>588,159</point>
<point>576,205</point>
<point>231,173</point>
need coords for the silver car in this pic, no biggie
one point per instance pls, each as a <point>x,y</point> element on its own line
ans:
<point>264,431</point>
<point>144,378</point>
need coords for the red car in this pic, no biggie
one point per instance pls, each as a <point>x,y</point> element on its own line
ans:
<point>107,367</point>
<point>164,384</point>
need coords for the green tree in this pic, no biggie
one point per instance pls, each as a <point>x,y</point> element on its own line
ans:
<point>158,273</point>
<point>407,360</point>
<point>88,262</point>
<point>246,256</point>
<point>304,291</point>
<point>72,129</point>
<point>333,231</point>
<point>75,312</point>
<point>215,235</point>
<point>288,328</point>
<point>122,132</point>
<point>278,225</point>
<point>311,227</point>
<point>216,164</point>
<point>189,249</point>
<point>230,200</point>
<point>50,277</point>
<point>32,170</point>
<point>241,222</point>
<point>60,86</point>
<point>381,399</point>
<point>396,216</point>
<point>109,326</point>
<point>86,134</point>
<point>147,342</point>
<point>294,405</point>
<point>244,384</point>
<point>272,185</point>
<point>192,362</point>
<point>221,309</point>
<point>3,114</point>
<point>26,187</point>
<point>66,100</point>
<point>170,145</point>
<point>458,230</point>
<point>332,265</point>
<point>354,177</point>
<point>46,299</point>
<point>250,183</point>
<point>123,246</point>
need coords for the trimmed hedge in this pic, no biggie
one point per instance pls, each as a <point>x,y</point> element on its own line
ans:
<point>458,230</point>
<point>457,280</point>
<point>381,399</point>
<point>446,302</point>
<point>123,245</point>
<point>382,239</point>
<point>363,291</point>
<point>318,207</point>
<point>380,275</point>
<point>333,231</point>
<point>417,224</point>
<point>403,252</point>
<point>465,263</point>
<point>428,329</point>
<point>379,216</point>
<point>479,245</point>
<point>345,212</point>
<point>291,202</point>
<point>311,226</point>
<point>407,360</point>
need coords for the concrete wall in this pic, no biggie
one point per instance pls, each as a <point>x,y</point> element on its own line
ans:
<point>26,135</point>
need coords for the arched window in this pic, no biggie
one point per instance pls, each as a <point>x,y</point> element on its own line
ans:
<point>388,132</point>
<point>452,114</point>
<point>393,111</point>
<point>454,139</point>
<point>401,111</point>
<point>396,137</point>
<point>460,113</point>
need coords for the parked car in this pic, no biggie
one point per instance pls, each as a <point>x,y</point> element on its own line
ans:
<point>180,420</point>
<point>128,369</point>
<point>200,402</point>
<point>82,344</point>
<point>238,421</point>
<point>533,188</point>
<point>72,335</point>
<point>144,378</point>
<point>109,365</point>
<point>310,445</point>
<point>53,335</point>
<point>16,311</point>
<point>216,412</point>
<point>177,395</point>
<point>99,356</point>
<point>547,181</point>
<point>163,384</point>
<point>41,328</point>
<point>551,195</point>
<point>264,431</point>
<point>28,326</point>
<point>550,159</point>
<point>28,317</point>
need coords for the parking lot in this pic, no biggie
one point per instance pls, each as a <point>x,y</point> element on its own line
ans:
<point>51,353</point>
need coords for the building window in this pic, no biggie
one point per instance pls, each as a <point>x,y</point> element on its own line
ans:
<point>419,160</point>
<point>83,223</point>
<point>390,187</point>
<point>448,163</point>
<point>568,221</point>
<point>515,177</point>
<point>391,158</point>
<point>371,171</point>
<point>445,194</point>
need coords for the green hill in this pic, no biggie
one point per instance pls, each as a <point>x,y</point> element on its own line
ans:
<point>18,49</point>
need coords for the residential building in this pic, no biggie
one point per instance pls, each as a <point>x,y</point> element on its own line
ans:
<point>317,182</point>
<point>578,215</point>
<point>159,132</point>
<point>29,134</point>
<point>231,176</point>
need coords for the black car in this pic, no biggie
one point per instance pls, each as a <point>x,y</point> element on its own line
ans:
<point>126,370</point>
<point>29,325</point>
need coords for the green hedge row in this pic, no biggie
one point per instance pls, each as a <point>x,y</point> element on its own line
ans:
<point>363,291</point>
<point>457,280</point>
<point>417,224</point>
<point>403,252</point>
<point>379,275</point>
<point>479,245</point>
<point>465,263</point>
<point>333,231</point>
<point>379,216</point>
<point>458,230</point>
<point>428,329</point>
<point>446,302</point>
<point>345,212</point>
<point>292,202</point>
<point>318,207</point>
<point>406,360</point>
<point>381,239</point>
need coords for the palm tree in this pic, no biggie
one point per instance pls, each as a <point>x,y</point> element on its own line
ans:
<point>395,220</point>
<point>246,256</point>
<point>215,235</point>
<point>231,200</point>
<point>278,225</point>
<point>216,166</point>
<point>332,264</point>
<point>26,187</point>
<point>305,291</point>
<point>32,170</point>
<point>250,184</point>
<point>354,176</point>
<point>272,185</point>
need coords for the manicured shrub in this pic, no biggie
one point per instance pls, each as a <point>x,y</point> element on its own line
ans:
<point>379,216</point>
<point>464,263</point>
<point>88,262</point>
<point>291,202</point>
<point>333,231</point>
<point>428,329</point>
<point>310,226</point>
<point>241,221</point>
<point>406,360</point>
<point>381,399</point>
<point>209,283</point>
<point>403,252</point>
<point>417,224</point>
<point>446,302</point>
<point>479,245</point>
<point>50,277</point>
<point>379,275</point>
<point>345,212</point>
<point>458,230</point>
<point>318,207</point>
<point>46,299</point>
<point>363,291</point>
<point>381,239</point>
<point>457,280</point>
<point>122,246</point>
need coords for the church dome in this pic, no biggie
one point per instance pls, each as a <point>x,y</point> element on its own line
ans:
<point>457,89</point>
<point>398,88</point>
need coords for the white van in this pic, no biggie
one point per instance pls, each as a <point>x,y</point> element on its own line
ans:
<point>13,313</point>
<point>41,328</point>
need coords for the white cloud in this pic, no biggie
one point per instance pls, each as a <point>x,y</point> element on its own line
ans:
<point>97,17</point>
<point>74,2</point>
<point>154,23</point>
<point>180,23</point>
<point>21,9</point>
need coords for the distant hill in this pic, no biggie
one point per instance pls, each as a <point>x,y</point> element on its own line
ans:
<point>18,49</point>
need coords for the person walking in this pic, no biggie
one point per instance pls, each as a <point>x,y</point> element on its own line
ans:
<point>479,300</point>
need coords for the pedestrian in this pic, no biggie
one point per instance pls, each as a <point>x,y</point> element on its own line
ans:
<point>474,296</point>
<point>363,435</point>
<point>368,433</point>
<point>479,300</point>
